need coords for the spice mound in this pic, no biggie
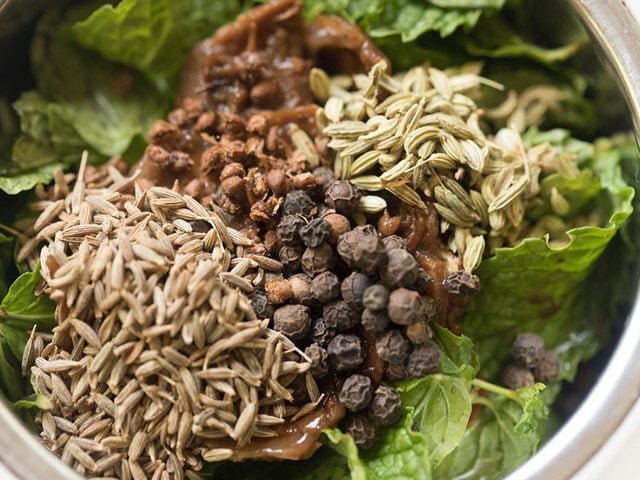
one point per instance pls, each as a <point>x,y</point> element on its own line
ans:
<point>158,359</point>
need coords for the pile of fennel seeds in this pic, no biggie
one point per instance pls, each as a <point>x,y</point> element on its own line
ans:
<point>157,354</point>
<point>421,134</point>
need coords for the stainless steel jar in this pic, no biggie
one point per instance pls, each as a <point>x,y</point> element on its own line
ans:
<point>617,37</point>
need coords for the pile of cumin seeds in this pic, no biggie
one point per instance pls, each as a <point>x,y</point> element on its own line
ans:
<point>421,135</point>
<point>158,354</point>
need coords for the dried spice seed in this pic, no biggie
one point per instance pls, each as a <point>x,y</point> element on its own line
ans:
<point>288,230</point>
<point>375,321</point>
<point>315,232</point>
<point>528,349</point>
<point>291,257</point>
<point>292,320</point>
<point>393,242</point>
<point>338,225</point>
<point>346,352</point>
<point>361,248</point>
<point>517,376</point>
<point>260,304</point>
<point>393,347</point>
<point>319,360</point>
<point>353,288</point>
<point>301,289</point>
<point>396,372</point>
<point>356,392</point>
<point>321,333</point>
<point>316,260</point>
<point>325,287</point>
<point>298,203</point>
<point>424,360</point>
<point>375,297</point>
<point>401,269</point>
<point>362,429</point>
<point>548,368</point>
<point>405,307</point>
<point>343,196</point>
<point>386,406</point>
<point>419,332</point>
<point>462,283</point>
<point>340,316</point>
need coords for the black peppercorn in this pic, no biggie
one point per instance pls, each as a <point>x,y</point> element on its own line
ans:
<point>343,196</point>
<point>315,232</point>
<point>527,349</point>
<point>405,307</point>
<point>319,360</point>
<point>316,260</point>
<point>375,321</point>
<point>321,333</point>
<point>346,352</point>
<point>292,320</point>
<point>424,359</point>
<point>401,269</point>
<point>517,376</point>
<point>419,332</point>
<point>298,202</point>
<point>301,289</point>
<point>324,176</point>
<point>548,368</point>
<point>260,304</point>
<point>362,429</point>
<point>462,283</point>
<point>353,288</point>
<point>356,392</point>
<point>288,230</point>
<point>325,287</point>
<point>393,242</point>
<point>291,257</point>
<point>386,406</point>
<point>396,372</point>
<point>340,316</point>
<point>393,346</point>
<point>361,248</point>
<point>375,297</point>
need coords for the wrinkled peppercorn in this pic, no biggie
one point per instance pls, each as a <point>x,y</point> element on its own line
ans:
<point>405,306</point>
<point>343,196</point>
<point>386,406</point>
<point>321,333</point>
<point>338,224</point>
<point>462,283</point>
<point>319,360</point>
<point>363,430</point>
<point>401,269</point>
<point>362,248</point>
<point>315,232</point>
<point>548,368</point>
<point>325,287</point>
<point>419,332</point>
<point>353,288</point>
<point>424,359</point>
<point>375,321</point>
<point>356,392</point>
<point>517,376</point>
<point>375,297</point>
<point>316,260</point>
<point>396,372</point>
<point>527,349</point>
<point>393,242</point>
<point>260,304</point>
<point>288,230</point>
<point>298,202</point>
<point>291,257</point>
<point>340,316</point>
<point>393,346</point>
<point>294,321</point>
<point>301,289</point>
<point>346,352</point>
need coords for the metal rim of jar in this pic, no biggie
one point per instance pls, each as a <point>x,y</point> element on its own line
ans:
<point>617,36</point>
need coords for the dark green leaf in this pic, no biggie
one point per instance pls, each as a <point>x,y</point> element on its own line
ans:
<point>22,307</point>
<point>11,381</point>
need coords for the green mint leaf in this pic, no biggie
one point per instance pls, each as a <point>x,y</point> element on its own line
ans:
<point>22,308</point>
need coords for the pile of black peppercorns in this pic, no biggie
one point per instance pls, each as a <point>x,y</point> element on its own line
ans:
<point>532,363</point>
<point>344,288</point>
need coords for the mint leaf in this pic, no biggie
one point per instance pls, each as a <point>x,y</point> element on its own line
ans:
<point>20,182</point>
<point>22,308</point>
<point>345,446</point>
<point>152,36</point>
